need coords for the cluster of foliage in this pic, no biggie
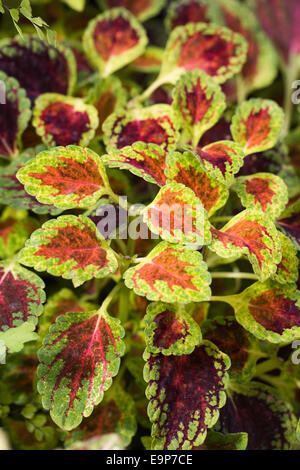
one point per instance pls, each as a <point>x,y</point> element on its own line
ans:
<point>177,340</point>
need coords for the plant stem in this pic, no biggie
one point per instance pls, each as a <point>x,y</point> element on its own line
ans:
<point>109,298</point>
<point>241,89</point>
<point>232,275</point>
<point>268,365</point>
<point>221,218</point>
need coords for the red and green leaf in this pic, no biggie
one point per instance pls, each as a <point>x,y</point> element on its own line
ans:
<point>66,177</point>
<point>234,341</point>
<point>15,228</point>
<point>170,273</point>
<point>106,96</point>
<point>257,124</point>
<point>14,116</point>
<point>80,356</point>
<point>146,160</point>
<point>61,120</point>
<point>280,20</point>
<point>113,39</point>
<point>38,66</point>
<point>181,12</point>
<point>141,9</point>
<point>259,411</point>
<point>289,220</point>
<point>187,169</point>
<point>116,414</point>
<point>170,330</point>
<point>21,296</point>
<point>198,103</point>
<point>12,192</point>
<point>155,124</point>
<point>185,394</point>
<point>262,192</point>
<point>222,160</point>
<point>252,234</point>
<point>49,249</point>
<point>269,310</point>
<point>216,50</point>
<point>288,268</point>
<point>178,216</point>
<point>239,18</point>
<point>149,61</point>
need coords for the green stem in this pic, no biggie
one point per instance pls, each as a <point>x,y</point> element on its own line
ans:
<point>268,365</point>
<point>290,76</point>
<point>221,218</point>
<point>241,89</point>
<point>109,298</point>
<point>221,298</point>
<point>232,275</point>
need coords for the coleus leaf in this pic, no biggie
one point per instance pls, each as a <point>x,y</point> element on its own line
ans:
<point>186,168</point>
<point>218,441</point>
<point>280,21</point>
<point>61,120</point>
<point>15,338</point>
<point>106,96</point>
<point>113,39</point>
<point>170,330</point>
<point>141,9</point>
<point>79,357</point>
<point>181,12</point>
<point>38,66</point>
<point>258,410</point>
<point>178,216</point>
<point>287,269</point>
<point>88,256</point>
<point>12,192</point>
<point>234,341</point>
<point>62,302</point>
<point>269,310</point>
<point>170,273</point>
<point>15,228</point>
<point>252,234</point>
<point>21,296</point>
<point>222,160</point>
<point>198,103</point>
<point>146,160</point>
<point>262,192</point>
<point>155,124</point>
<point>185,394</point>
<point>66,177</point>
<point>214,49</point>
<point>149,61</point>
<point>116,414</point>
<point>256,125</point>
<point>14,116</point>
<point>289,220</point>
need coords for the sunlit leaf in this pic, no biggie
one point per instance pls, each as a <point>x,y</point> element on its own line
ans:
<point>198,103</point>
<point>170,273</point>
<point>178,216</point>
<point>256,125</point>
<point>155,124</point>
<point>66,177</point>
<point>289,220</point>
<point>114,39</point>
<point>80,356</point>
<point>149,61</point>
<point>170,330</point>
<point>61,120</point>
<point>263,192</point>
<point>252,234</point>
<point>141,9</point>
<point>287,269</point>
<point>185,394</point>
<point>49,249</point>
<point>15,228</point>
<point>269,310</point>
<point>146,160</point>
<point>187,169</point>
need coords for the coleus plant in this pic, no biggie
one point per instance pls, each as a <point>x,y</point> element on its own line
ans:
<point>149,234</point>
